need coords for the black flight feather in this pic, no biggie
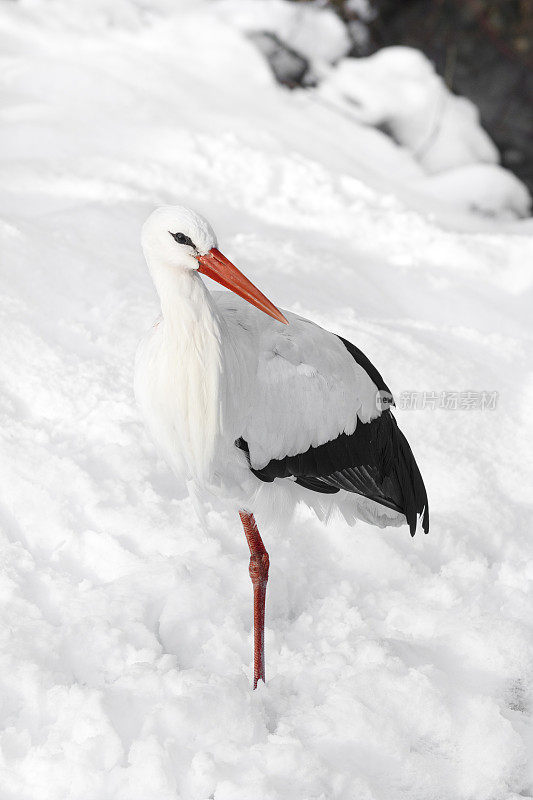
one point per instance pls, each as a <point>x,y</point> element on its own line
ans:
<point>374,461</point>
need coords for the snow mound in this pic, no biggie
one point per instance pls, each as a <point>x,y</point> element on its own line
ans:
<point>398,91</point>
<point>315,32</point>
<point>398,88</point>
<point>488,189</point>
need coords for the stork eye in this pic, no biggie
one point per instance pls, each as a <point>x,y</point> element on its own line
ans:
<point>180,238</point>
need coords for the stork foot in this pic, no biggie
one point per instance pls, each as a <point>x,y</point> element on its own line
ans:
<point>259,563</point>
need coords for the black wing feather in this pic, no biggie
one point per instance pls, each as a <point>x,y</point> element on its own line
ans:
<point>375,461</point>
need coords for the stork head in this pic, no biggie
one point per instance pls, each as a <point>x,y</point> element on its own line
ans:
<point>177,238</point>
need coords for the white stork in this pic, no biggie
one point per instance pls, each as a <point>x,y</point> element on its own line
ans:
<point>242,402</point>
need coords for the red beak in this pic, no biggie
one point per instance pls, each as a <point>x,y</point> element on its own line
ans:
<point>217,267</point>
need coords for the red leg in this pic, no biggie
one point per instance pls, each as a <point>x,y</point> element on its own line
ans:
<point>259,574</point>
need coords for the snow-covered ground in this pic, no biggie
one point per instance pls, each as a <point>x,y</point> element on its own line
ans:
<point>397,668</point>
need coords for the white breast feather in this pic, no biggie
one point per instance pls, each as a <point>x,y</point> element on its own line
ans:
<point>177,380</point>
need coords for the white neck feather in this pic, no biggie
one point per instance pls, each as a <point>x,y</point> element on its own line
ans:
<point>191,365</point>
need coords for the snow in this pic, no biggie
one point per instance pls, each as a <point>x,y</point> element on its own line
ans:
<point>487,188</point>
<point>398,90</point>
<point>317,33</point>
<point>398,87</point>
<point>396,668</point>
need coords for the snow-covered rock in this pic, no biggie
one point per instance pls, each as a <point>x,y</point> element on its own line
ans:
<point>315,32</point>
<point>289,67</point>
<point>398,89</point>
